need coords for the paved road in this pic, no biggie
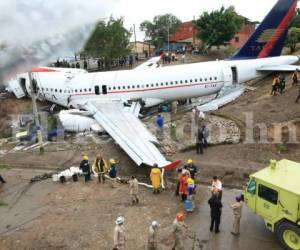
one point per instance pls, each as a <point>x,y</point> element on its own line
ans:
<point>254,235</point>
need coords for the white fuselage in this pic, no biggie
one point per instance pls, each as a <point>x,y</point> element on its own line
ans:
<point>154,85</point>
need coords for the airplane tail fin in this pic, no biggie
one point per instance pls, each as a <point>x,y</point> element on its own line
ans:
<point>268,39</point>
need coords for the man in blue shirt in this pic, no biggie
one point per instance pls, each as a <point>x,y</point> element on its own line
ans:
<point>159,125</point>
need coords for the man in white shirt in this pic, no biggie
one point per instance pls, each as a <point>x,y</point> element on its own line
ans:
<point>216,187</point>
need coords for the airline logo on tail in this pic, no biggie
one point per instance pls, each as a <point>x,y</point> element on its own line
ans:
<point>268,39</point>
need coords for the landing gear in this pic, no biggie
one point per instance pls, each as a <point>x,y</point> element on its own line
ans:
<point>288,235</point>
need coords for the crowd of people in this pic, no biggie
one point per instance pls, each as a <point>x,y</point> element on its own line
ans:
<point>185,189</point>
<point>279,84</point>
<point>99,63</point>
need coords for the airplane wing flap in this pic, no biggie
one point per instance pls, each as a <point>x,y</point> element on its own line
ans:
<point>150,64</point>
<point>283,68</point>
<point>128,131</point>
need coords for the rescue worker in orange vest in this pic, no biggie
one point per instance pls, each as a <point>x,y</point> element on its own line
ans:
<point>156,177</point>
<point>183,184</point>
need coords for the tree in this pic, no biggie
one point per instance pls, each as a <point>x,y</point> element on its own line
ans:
<point>158,30</point>
<point>218,27</point>
<point>293,38</point>
<point>109,40</point>
<point>296,19</point>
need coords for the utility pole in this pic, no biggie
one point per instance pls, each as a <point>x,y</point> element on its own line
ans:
<point>169,39</point>
<point>134,39</point>
<point>35,113</point>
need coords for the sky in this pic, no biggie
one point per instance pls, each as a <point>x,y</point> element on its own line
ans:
<point>22,21</point>
<point>38,31</point>
<point>136,11</point>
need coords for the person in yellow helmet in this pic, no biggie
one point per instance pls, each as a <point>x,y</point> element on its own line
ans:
<point>190,188</point>
<point>85,167</point>
<point>191,168</point>
<point>155,177</point>
<point>113,172</point>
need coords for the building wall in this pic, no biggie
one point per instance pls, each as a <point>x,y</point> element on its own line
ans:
<point>141,48</point>
<point>187,33</point>
<point>241,37</point>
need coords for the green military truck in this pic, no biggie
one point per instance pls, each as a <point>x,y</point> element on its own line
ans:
<point>274,194</point>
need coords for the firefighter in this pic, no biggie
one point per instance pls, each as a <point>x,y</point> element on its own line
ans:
<point>85,167</point>
<point>99,168</point>
<point>156,177</point>
<point>237,212</point>
<point>177,228</point>
<point>134,189</point>
<point>119,234</point>
<point>152,243</point>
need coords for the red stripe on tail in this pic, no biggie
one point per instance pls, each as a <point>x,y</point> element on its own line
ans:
<point>278,32</point>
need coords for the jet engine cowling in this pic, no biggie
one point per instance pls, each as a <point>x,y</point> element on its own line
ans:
<point>79,121</point>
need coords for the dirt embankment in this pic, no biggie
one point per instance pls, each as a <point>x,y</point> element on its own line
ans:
<point>270,127</point>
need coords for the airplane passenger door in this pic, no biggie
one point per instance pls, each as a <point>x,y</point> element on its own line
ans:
<point>234,74</point>
<point>97,90</point>
<point>104,89</point>
<point>227,76</point>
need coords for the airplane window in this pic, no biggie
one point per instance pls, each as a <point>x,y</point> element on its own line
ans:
<point>176,82</point>
<point>80,90</point>
<point>156,84</point>
<point>69,91</point>
<point>191,80</point>
<point>210,78</point>
<point>55,90</point>
<point>133,86</point>
<point>186,81</point>
<point>128,87</point>
<point>200,79</point>
<point>75,90</point>
<point>114,88</point>
<point>90,90</point>
<point>138,86</point>
<point>196,80</point>
<point>60,91</point>
<point>119,87</point>
<point>216,78</point>
<point>205,79</point>
<point>123,87</point>
<point>152,85</point>
<point>109,88</point>
<point>171,83</point>
<point>167,83</point>
<point>162,84</point>
<point>181,82</point>
<point>85,90</point>
<point>42,88</point>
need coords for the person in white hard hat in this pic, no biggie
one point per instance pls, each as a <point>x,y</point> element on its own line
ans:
<point>119,234</point>
<point>152,236</point>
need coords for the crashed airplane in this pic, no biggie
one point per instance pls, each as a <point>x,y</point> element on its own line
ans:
<point>103,95</point>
